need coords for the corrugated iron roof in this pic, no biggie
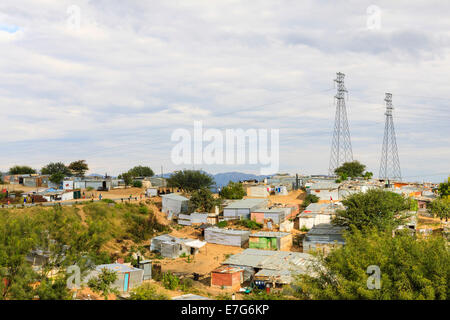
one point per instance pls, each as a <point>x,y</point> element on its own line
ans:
<point>174,196</point>
<point>272,260</point>
<point>246,204</point>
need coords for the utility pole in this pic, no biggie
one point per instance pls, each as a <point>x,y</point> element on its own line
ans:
<point>341,147</point>
<point>390,164</point>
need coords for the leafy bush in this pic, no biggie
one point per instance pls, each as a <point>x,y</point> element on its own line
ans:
<point>310,198</point>
<point>410,268</point>
<point>143,209</point>
<point>222,224</point>
<point>170,281</point>
<point>147,291</point>
<point>377,208</point>
<point>108,201</point>
<point>251,224</point>
<point>103,282</point>
<point>89,189</point>
<point>186,284</point>
<point>234,190</point>
<point>137,184</point>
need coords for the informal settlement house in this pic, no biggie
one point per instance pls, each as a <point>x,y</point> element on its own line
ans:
<point>227,277</point>
<point>268,240</point>
<point>228,237</point>
<point>96,183</point>
<point>325,190</point>
<point>271,268</point>
<point>317,213</point>
<point>276,214</point>
<point>174,204</point>
<point>128,277</point>
<point>172,247</point>
<point>323,237</point>
<point>194,218</point>
<point>241,209</point>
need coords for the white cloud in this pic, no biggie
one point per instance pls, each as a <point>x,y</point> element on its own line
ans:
<point>113,91</point>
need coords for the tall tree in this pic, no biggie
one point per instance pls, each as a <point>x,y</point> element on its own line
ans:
<point>79,168</point>
<point>374,208</point>
<point>56,167</point>
<point>234,190</point>
<point>444,188</point>
<point>352,169</point>
<point>22,170</point>
<point>127,178</point>
<point>203,200</point>
<point>190,180</point>
<point>440,207</point>
<point>141,171</point>
<point>409,269</point>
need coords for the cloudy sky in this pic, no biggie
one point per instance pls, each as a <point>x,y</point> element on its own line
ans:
<point>109,80</point>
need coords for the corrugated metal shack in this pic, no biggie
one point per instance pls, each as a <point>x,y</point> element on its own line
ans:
<point>324,237</point>
<point>228,237</point>
<point>258,191</point>
<point>243,208</point>
<point>194,218</point>
<point>317,213</point>
<point>325,190</point>
<point>174,204</point>
<point>227,277</point>
<point>36,181</point>
<point>128,277</point>
<point>274,267</point>
<point>277,215</point>
<point>172,247</point>
<point>268,240</point>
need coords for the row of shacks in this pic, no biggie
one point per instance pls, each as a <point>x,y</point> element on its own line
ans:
<point>176,207</point>
<point>263,268</point>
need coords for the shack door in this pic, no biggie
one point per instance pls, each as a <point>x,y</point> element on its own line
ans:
<point>126,280</point>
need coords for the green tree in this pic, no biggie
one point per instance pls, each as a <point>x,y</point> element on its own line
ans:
<point>410,268</point>
<point>234,190</point>
<point>18,236</point>
<point>444,189</point>
<point>190,180</point>
<point>137,184</point>
<point>57,177</point>
<point>21,170</point>
<point>53,289</point>
<point>56,168</point>
<point>127,178</point>
<point>374,208</point>
<point>141,171</point>
<point>102,284</point>
<point>79,168</point>
<point>203,200</point>
<point>147,291</point>
<point>368,175</point>
<point>352,169</point>
<point>310,198</point>
<point>440,208</point>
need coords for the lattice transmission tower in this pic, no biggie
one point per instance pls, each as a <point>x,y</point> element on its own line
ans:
<point>341,147</point>
<point>390,164</point>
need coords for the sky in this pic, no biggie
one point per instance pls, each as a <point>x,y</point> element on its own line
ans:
<point>110,81</point>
